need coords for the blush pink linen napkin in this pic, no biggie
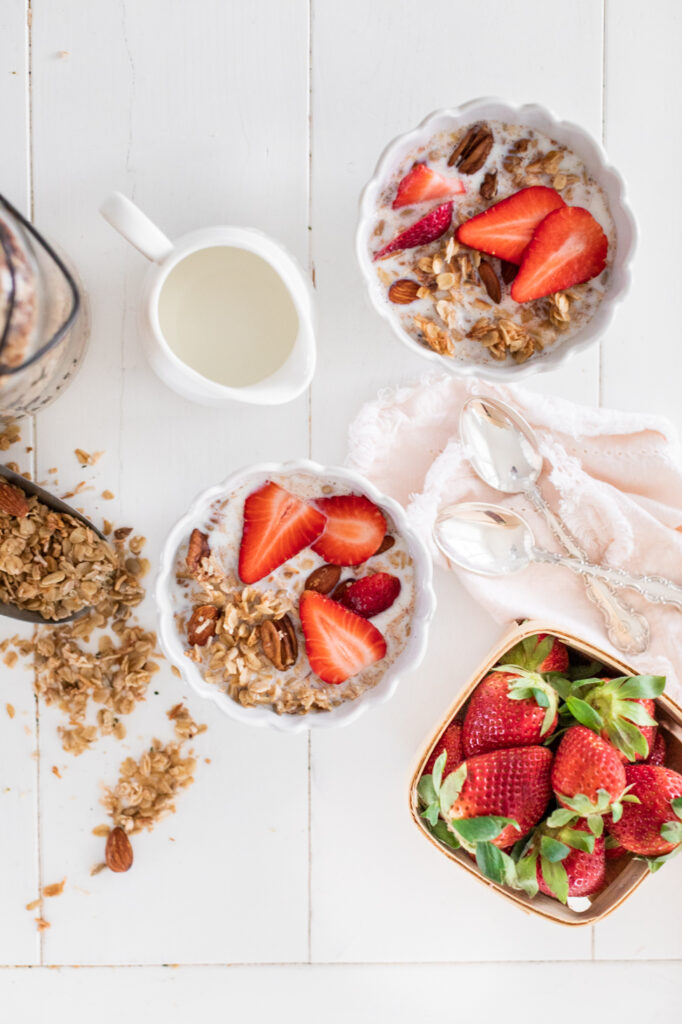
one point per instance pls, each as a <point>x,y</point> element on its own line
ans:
<point>615,478</point>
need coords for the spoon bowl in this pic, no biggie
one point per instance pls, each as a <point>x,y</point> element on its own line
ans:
<point>485,539</point>
<point>501,446</point>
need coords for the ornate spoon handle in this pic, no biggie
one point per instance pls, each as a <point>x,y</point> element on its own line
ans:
<point>626,629</point>
<point>656,589</point>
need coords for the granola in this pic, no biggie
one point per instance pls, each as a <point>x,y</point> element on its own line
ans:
<point>439,292</point>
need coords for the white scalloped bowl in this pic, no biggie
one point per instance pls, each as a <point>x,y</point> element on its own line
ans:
<point>410,657</point>
<point>594,157</point>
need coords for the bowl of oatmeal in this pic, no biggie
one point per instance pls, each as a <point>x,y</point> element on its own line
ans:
<point>496,240</point>
<point>294,595</point>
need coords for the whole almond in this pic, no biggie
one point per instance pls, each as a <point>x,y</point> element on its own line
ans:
<point>118,853</point>
<point>197,549</point>
<point>324,579</point>
<point>489,279</point>
<point>202,624</point>
<point>404,291</point>
<point>13,501</point>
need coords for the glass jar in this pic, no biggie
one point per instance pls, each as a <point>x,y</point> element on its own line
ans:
<point>43,326</point>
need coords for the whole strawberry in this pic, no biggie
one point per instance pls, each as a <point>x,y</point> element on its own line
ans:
<point>539,653</point>
<point>450,743</point>
<point>562,860</point>
<point>509,709</point>
<point>588,776</point>
<point>652,827</point>
<point>621,710</point>
<point>488,803</point>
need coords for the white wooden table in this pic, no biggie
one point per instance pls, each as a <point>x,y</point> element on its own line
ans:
<point>291,884</point>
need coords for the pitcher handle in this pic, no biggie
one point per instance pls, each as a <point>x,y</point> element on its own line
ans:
<point>136,227</point>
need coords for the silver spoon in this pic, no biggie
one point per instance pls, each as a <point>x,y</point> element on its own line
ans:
<point>504,451</point>
<point>11,611</point>
<point>494,541</point>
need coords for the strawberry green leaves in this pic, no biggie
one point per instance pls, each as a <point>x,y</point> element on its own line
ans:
<point>671,831</point>
<point>612,708</point>
<point>438,795</point>
<point>495,864</point>
<point>531,685</point>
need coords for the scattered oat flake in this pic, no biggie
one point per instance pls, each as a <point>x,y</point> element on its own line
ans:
<point>55,771</point>
<point>98,867</point>
<point>10,659</point>
<point>108,495</point>
<point>42,924</point>
<point>55,889</point>
<point>9,708</point>
<point>85,458</point>
<point>33,904</point>
<point>101,830</point>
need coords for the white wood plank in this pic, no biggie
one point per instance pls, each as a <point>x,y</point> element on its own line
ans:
<point>198,111</point>
<point>19,941</point>
<point>644,138</point>
<point>402,900</point>
<point>305,994</point>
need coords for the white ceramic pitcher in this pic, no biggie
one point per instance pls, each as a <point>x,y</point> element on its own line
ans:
<point>286,383</point>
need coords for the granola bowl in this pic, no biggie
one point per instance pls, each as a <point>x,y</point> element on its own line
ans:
<point>253,662</point>
<point>451,304</point>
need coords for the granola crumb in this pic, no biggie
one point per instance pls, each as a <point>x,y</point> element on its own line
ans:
<point>42,924</point>
<point>108,495</point>
<point>98,868</point>
<point>55,889</point>
<point>10,659</point>
<point>9,708</point>
<point>56,771</point>
<point>85,458</point>
<point>33,904</point>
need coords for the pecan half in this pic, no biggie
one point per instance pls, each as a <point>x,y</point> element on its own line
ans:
<point>118,852</point>
<point>278,639</point>
<point>403,292</point>
<point>472,151</point>
<point>386,544</point>
<point>202,624</point>
<point>489,280</point>
<point>13,501</point>
<point>324,579</point>
<point>488,189</point>
<point>197,549</point>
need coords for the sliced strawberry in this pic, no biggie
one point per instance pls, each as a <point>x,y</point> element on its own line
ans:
<point>355,529</point>
<point>506,228</point>
<point>421,183</point>
<point>372,594</point>
<point>423,231</point>
<point>567,248</point>
<point>277,526</point>
<point>338,643</point>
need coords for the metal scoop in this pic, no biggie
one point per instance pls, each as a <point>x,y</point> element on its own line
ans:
<point>28,487</point>
<point>494,541</point>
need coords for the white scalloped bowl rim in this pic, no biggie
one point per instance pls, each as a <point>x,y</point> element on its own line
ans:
<point>409,658</point>
<point>595,159</point>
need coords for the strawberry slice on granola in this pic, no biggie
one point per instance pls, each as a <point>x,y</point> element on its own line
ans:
<point>338,643</point>
<point>422,183</point>
<point>353,532</point>
<point>505,229</point>
<point>568,247</point>
<point>277,525</point>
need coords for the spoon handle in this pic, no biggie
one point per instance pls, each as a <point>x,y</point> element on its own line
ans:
<point>626,629</point>
<point>656,589</point>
